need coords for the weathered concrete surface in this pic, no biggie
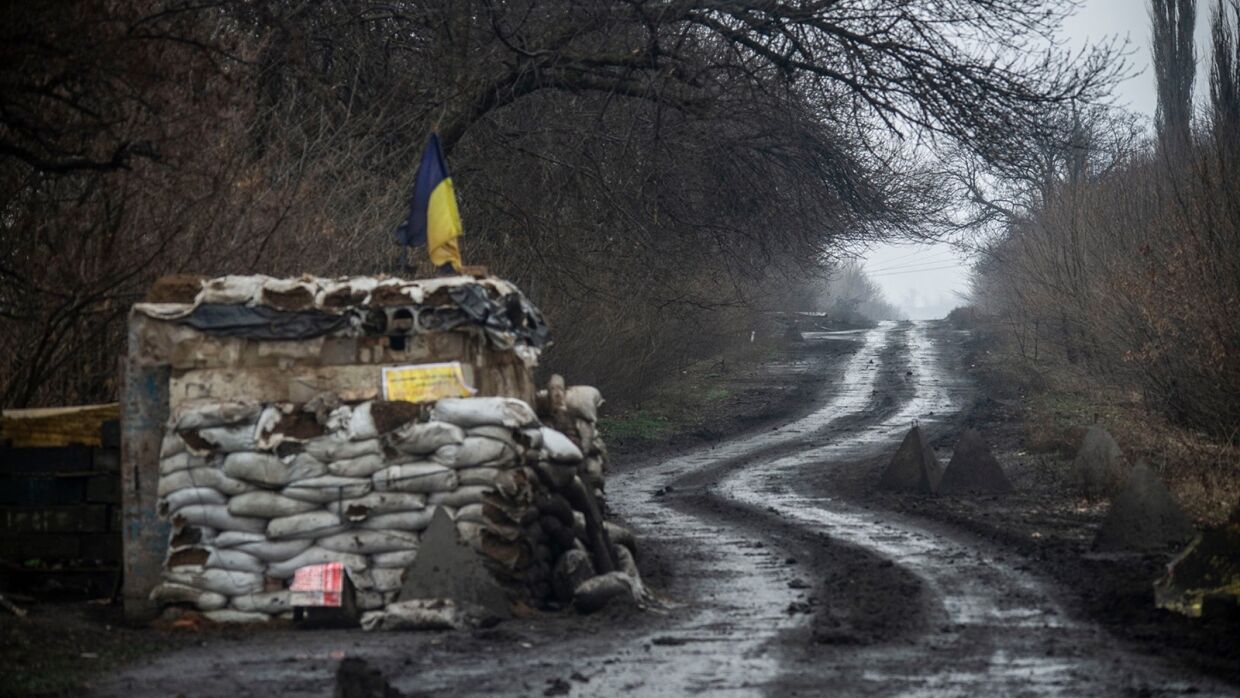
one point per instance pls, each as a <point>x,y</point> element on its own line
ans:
<point>1143,516</point>
<point>447,568</point>
<point>914,468</point>
<point>1099,465</point>
<point>973,469</point>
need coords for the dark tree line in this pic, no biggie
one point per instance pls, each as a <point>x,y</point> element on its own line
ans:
<point>654,173</point>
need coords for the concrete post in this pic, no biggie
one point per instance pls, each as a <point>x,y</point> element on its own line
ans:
<point>144,411</point>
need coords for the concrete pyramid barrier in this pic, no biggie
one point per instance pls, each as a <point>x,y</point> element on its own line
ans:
<point>1143,517</point>
<point>914,467</point>
<point>1099,465</point>
<point>973,469</point>
<point>448,568</point>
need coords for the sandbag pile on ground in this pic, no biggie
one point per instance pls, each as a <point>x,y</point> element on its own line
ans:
<point>256,491</point>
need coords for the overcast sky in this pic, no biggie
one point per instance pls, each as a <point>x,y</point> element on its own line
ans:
<point>926,281</point>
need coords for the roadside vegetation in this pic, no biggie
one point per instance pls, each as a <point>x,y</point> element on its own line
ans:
<point>1112,289</point>
<point>654,176</point>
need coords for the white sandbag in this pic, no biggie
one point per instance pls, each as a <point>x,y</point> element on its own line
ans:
<point>369,541</point>
<point>412,521</point>
<point>387,578</point>
<point>338,420</point>
<point>362,466</point>
<point>206,414</point>
<point>356,290</point>
<point>327,488</point>
<point>314,556</point>
<point>360,508</point>
<point>499,433</point>
<point>421,614</point>
<point>583,401</point>
<point>370,600</point>
<point>333,448</point>
<point>233,289</point>
<point>312,524</point>
<point>234,560</point>
<point>231,539</point>
<point>230,439</point>
<point>276,550</point>
<point>424,438</point>
<point>271,602</point>
<point>260,468</point>
<point>228,615</point>
<point>475,451</point>
<point>216,516</point>
<point>266,438</point>
<point>303,466</point>
<point>470,512</point>
<point>167,593</point>
<point>470,532</point>
<point>268,505</point>
<point>483,475</point>
<point>483,411</point>
<point>462,496</point>
<point>533,437</point>
<point>415,477</point>
<point>559,447</point>
<point>180,461</point>
<point>171,444</point>
<point>397,558</point>
<point>362,423</point>
<point>227,582</point>
<point>191,495</point>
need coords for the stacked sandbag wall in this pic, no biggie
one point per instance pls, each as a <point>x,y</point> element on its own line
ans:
<point>255,491</point>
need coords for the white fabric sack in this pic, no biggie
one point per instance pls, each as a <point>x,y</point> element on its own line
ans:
<point>483,411</point>
<point>191,495</point>
<point>417,614</point>
<point>387,578</point>
<point>362,423</point>
<point>412,521</point>
<point>265,436</point>
<point>475,451</point>
<point>233,289</point>
<point>493,432</point>
<point>483,475</point>
<point>230,439</point>
<point>558,447</point>
<point>470,532</point>
<point>462,496</point>
<point>312,524</point>
<point>314,556</point>
<point>338,420</point>
<point>333,448</point>
<point>207,414</point>
<point>234,560</point>
<point>470,512</point>
<point>171,444</point>
<point>167,593</point>
<point>303,466</point>
<point>216,516</point>
<point>228,615</point>
<point>327,488</point>
<point>368,541</point>
<point>231,539</point>
<point>370,600</point>
<point>398,558</point>
<point>362,466</point>
<point>533,437</point>
<point>227,582</point>
<point>260,468</point>
<point>415,477</point>
<point>264,602</point>
<point>376,503</point>
<point>583,402</point>
<point>423,438</point>
<point>276,550</point>
<point>267,505</point>
<point>180,461</point>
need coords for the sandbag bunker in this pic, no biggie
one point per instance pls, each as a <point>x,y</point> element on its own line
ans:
<point>417,457</point>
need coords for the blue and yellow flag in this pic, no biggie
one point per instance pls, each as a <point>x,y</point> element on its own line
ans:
<point>434,220</point>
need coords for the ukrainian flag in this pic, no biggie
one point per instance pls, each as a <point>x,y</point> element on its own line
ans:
<point>434,220</point>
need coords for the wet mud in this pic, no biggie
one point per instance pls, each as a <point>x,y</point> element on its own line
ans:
<point>781,575</point>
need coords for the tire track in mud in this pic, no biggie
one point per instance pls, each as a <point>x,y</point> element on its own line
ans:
<point>937,613</point>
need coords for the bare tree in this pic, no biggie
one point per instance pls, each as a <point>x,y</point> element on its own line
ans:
<point>1175,67</point>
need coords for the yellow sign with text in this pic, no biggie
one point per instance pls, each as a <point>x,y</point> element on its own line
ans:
<point>425,382</point>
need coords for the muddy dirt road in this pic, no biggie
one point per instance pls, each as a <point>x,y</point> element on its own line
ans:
<point>776,583</point>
